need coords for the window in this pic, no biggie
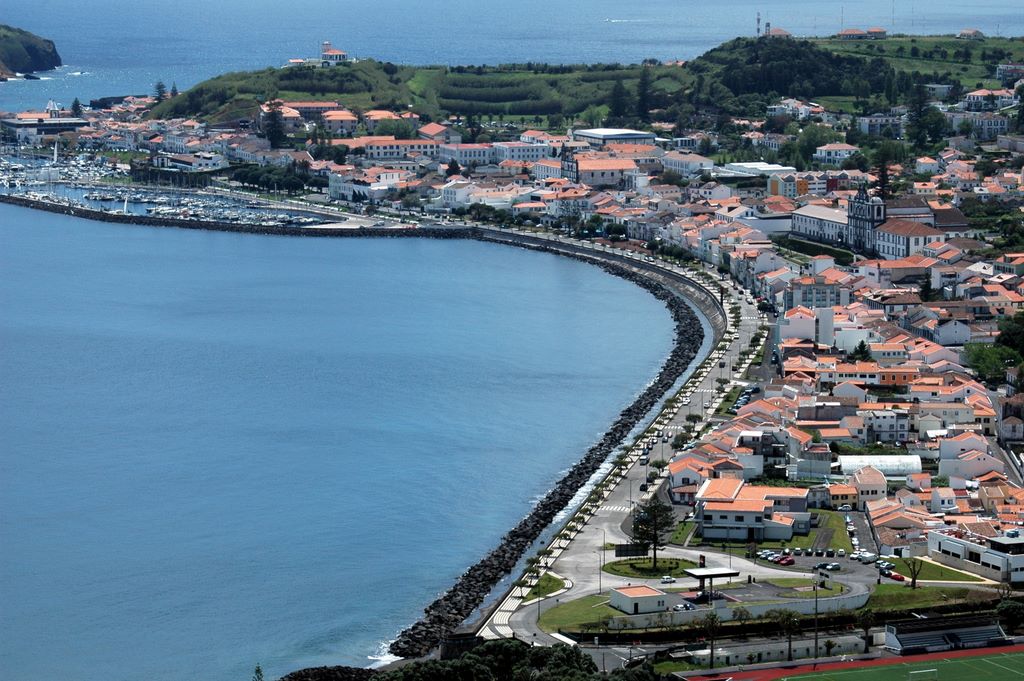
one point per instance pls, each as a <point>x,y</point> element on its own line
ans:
<point>739,519</point>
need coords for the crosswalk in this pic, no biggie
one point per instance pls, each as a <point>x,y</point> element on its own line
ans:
<point>616,509</point>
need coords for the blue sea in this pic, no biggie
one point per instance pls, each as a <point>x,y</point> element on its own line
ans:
<point>221,449</point>
<point>120,47</point>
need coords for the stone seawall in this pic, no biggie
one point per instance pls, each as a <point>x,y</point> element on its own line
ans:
<point>446,613</point>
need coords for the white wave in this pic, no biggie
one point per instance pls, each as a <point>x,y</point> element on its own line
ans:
<point>624,21</point>
<point>383,657</point>
<point>46,78</point>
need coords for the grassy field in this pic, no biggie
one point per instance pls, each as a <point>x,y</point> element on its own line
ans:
<point>572,614</point>
<point>938,573</point>
<point>681,532</point>
<point>640,568</point>
<point>729,400</point>
<point>894,596</point>
<point>935,55</point>
<point>996,667</point>
<point>546,585</point>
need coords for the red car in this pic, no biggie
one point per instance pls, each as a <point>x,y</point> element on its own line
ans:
<point>897,576</point>
<point>787,560</point>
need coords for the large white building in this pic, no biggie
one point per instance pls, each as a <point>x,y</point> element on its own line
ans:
<point>819,223</point>
<point>598,137</point>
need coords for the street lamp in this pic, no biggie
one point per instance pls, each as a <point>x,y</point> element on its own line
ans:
<point>600,569</point>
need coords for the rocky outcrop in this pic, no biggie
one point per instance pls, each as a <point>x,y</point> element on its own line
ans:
<point>446,613</point>
<point>24,52</point>
<point>331,674</point>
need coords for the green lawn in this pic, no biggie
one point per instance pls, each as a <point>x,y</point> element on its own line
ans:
<point>546,585</point>
<point>996,667</point>
<point>681,532</point>
<point>640,568</point>
<point>938,573</point>
<point>896,596</point>
<point>730,399</point>
<point>572,614</point>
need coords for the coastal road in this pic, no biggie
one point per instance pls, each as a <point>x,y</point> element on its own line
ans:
<point>580,560</point>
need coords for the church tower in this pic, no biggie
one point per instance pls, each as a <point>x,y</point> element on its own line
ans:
<point>570,167</point>
<point>863,215</point>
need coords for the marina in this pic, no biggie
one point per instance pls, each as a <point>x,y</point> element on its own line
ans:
<point>84,183</point>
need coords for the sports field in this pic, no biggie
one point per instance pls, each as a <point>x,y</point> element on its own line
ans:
<point>995,667</point>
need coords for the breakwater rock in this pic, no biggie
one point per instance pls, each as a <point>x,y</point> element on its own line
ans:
<point>446,613</point>
<point>331,674</point>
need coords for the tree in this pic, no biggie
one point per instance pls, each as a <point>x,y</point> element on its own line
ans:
<point>990,360</point>
<point>741,615</point>
<point>866,620</point>
<point>273,125</point>
<point>886,154</point>
<point>709,624</point>
<point>453,168</point>
<point>160,91</point>
<point>788,622</point>
<point>76,108</point>
<point>399,129</point>
<point>653,524</point>
<point>643,95</point>
<point>861,353</point>
<point>1011,332</point>
<point>926,292</point>
<point>257,673</point>
<point>174,89</point>
<point>829,647</point>
<point>618,105</point>
<point>1012,613</point>
<point>914,568</point>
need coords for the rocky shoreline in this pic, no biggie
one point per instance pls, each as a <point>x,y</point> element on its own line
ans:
<point>448,612</point>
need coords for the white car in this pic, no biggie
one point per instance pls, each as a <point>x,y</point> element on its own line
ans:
<point>707,405</point>
<point>667,579</point>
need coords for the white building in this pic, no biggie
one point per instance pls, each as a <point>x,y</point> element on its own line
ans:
<point>638,600</point>
<point>687,165</point>
<point>520,151</point>
<point>834,154</point>
<point>820,223</point>
<point>598,137</point>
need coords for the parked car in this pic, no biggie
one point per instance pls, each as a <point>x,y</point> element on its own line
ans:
<point>819,552</point>
<point>823,565</point>
<point>897,577</point>
<point>845,507</point>
<point>833,567</point>
<point>830,553</point>
<point>685,401</point>
<point>787,560</point>
<point>841,553</point>
<point>668,579</point>
<point>798,551</point>
<point>679,607</point>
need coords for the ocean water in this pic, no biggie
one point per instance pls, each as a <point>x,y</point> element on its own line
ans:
<point>220,449</point>
<point>120,47</point>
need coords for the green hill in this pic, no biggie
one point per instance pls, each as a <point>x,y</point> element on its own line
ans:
<point>24,52</point>
<point>739,77</point>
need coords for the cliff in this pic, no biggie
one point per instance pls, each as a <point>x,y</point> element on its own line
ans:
<point>24,52</point>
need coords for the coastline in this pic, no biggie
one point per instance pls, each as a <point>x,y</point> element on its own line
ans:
<point>450,611</point>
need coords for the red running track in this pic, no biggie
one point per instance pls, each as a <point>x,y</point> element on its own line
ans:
<point>781,672</point>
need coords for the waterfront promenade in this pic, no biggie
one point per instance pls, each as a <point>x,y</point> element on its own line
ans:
<point>579,560</point>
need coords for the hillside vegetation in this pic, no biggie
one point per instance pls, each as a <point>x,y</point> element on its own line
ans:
<point>739,77</point>
<point>24,52</point>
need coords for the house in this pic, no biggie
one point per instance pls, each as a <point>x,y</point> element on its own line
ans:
<point>730,509</point>
<point>870,485</point>
<point>638,600</point>
<point>842,495</point>
<point>834,153</point>
<point>970,465</point>
<point>330,56</point>
<point>970,34</point>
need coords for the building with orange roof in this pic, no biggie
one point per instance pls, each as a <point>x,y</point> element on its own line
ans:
<point>638,600</point>
<point>733,510</point>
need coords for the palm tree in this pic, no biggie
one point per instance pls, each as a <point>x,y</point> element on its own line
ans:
<point>709,624</point>
<point>866,620</point>
<point>788,622</point>
<point>829,646</point>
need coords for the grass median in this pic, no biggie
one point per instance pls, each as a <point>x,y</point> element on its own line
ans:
<point>641,568</point>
